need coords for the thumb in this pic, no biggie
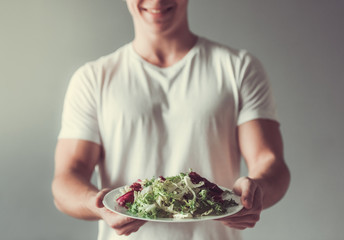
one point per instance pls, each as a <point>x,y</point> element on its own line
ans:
<point>245,187</point>
<point>100,196</point>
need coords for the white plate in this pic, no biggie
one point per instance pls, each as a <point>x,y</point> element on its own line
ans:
<point>110,203</point>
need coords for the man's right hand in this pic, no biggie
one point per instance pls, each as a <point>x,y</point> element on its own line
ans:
<point>121,224</point>
<point>75,161</point>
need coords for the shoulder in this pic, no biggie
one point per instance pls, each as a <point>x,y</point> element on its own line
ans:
<point>105,62</point>
<point>214,47</point>
<point>239,61</point>
<point>95,70</point>
<point>222,52</point>
<point>109,60</point>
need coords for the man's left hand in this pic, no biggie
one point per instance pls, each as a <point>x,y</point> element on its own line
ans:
<point>252,199</point>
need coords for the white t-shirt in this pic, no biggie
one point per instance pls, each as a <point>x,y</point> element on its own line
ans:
<point>155,121</point>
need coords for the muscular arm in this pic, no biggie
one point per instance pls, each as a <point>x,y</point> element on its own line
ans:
<point>73,192</point>
<point>268,177</point>
<point>261,145</point>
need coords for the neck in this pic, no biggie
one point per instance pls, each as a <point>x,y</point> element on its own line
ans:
<point>164,50</point>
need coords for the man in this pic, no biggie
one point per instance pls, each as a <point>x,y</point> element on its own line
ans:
<point>164,103</point>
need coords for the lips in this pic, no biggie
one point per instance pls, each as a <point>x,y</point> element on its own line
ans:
<point>157,10</point>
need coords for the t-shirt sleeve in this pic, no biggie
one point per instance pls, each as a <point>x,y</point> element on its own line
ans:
<point>255,96</point>
<point>79,116</point>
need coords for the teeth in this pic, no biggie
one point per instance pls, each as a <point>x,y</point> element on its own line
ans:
<point>155,11</point>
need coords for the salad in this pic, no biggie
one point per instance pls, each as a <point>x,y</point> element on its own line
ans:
<point>186,195</point>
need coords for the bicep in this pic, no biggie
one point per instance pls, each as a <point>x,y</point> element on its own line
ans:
<point>76,156</point>
<point>260,143</point>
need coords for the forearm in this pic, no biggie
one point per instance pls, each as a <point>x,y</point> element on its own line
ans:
<point>273,177</point>
<point>75,196</point>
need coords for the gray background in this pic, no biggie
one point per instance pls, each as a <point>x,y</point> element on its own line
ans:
<point>300,43</point>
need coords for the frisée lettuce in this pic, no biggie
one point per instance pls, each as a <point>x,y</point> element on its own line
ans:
<point>186,195</point>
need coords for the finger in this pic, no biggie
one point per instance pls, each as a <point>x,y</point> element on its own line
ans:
<point>240,219</point>
<point>135,227</point>
<point>247,195</point>
<point>242,227</point>
<point>130,227</point>
<point>119,222</point>
<point>246,188</point>
<point>100,195</point>
<point>247,221</point>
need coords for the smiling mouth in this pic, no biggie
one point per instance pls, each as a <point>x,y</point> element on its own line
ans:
<point>157,10</point>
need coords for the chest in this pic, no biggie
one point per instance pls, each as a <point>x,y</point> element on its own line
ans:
<point>196,93</point>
